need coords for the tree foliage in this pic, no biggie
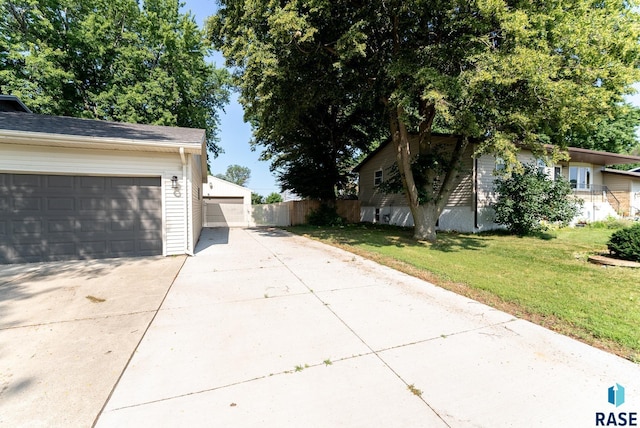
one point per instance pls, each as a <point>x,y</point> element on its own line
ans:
<point>237,174</point>
<point>111,60</point>
<point>256,198</point>
<point>528,201</point>
<point>615,133</point>
<point>501,73</point>
<point>273,198</point>
<point>310,117</point>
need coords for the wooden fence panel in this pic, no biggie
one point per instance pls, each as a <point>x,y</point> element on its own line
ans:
<point>299,210</point>
<point>349,209</point>
<point>273,214</point>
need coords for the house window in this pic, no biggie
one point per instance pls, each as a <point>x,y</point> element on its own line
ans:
<point>580,177</point>
<point>557,173</point>
<point>500,164</point>
<point>542,166</point>
<point>377,178</point>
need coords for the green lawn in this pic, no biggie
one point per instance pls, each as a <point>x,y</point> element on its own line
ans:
<point>545,279</point>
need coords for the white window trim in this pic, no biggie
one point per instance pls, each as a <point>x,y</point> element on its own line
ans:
<point>375,177</point>
<point>587,185</point>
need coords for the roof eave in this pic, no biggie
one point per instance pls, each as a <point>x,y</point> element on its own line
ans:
<point>73,141</point>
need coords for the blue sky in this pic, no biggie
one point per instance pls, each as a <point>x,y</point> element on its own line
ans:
<point>235,134</point>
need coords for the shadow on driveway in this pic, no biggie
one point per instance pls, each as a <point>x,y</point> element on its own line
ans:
<point>67,330</point>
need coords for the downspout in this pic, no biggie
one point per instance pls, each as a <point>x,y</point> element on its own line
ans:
<point>475,193</point>
<point>187,250</point>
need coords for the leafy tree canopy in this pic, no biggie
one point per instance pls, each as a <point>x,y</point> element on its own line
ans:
<point>256,199</point>
<point>502,74</point>
<point>616,132</point>
<point>310,117</point>
<point>273,198</point>
<point>111,60</point>
<point>237,174</point>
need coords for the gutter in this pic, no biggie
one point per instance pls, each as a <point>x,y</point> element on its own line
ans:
<point>187,250</point>
<point>76,141</point>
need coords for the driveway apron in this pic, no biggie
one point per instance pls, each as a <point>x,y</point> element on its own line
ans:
<point>263,328</point>
<point>67,330</point>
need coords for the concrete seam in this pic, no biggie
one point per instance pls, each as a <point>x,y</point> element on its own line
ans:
<point>44,324</point>
<point>373,351</point>
<point>95,421</point>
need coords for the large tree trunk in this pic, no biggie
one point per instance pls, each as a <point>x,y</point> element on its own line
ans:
<point>425,214</point>
<point>425,218</point>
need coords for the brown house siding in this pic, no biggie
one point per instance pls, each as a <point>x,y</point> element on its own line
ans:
<point>385,159</point>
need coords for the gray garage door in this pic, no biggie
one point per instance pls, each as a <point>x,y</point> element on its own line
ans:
<point>58,217</point>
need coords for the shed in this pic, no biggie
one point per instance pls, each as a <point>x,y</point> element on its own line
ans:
<point>79,188</point>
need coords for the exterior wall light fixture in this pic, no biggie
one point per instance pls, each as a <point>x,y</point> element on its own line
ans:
<point>174,182</point>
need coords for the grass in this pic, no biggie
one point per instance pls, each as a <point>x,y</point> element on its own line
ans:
<point>545,279</point>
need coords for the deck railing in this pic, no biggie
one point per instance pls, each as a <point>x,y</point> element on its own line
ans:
<point>598,193</point>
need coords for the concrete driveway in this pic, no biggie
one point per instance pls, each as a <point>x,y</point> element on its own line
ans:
<point>266,329</point>
<point>67,330</point>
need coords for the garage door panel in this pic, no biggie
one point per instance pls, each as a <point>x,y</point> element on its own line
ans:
<point>121,225</point>
<point>27,181</point>
<point>63,248</point>
<point>47,217</point>
<point>92,248</point>
<point>60,204</point>
<point>148,181</point>
<point>124,247</point>
<point>26,228</point>
<point>60,183</point>
<point>92,225</point>
<point>92,204</point>
<point>27,205</point>
<point>117,183</point>
<point>149,224</point>
<point>92,183</point>
<point>147,204</point>
<point>28,251</point>
<point>150,245</point>
<point>61,226</point>
<point>122,204</point>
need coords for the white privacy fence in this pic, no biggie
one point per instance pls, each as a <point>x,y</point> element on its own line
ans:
<point>230,213</point>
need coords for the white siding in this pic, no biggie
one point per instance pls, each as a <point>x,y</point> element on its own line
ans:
<point>196,199</point>
<point>42,160</point>
<point>17,158</point>
<point>174,207</point>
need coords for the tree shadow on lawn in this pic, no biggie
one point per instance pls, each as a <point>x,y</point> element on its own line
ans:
<point>387,236</point>
<point>448,242</point>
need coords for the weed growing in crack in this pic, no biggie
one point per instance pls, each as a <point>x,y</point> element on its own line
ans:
<point>415,391</point>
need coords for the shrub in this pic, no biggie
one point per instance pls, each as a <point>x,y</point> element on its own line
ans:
<point>610,223</point>
<point>528,201</point>
<point>625,243</point>
<point>325,216</point>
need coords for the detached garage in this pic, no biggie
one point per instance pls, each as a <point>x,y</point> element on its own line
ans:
<point>226,204</point>
<point>77,189</point>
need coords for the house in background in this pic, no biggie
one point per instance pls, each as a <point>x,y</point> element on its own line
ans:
<point>625,186</point>
<point>226,204</point>
<point>77,188</point>
<point>469,206</point>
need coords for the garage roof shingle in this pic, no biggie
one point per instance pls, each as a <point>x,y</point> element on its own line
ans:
<point>91,128</point>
